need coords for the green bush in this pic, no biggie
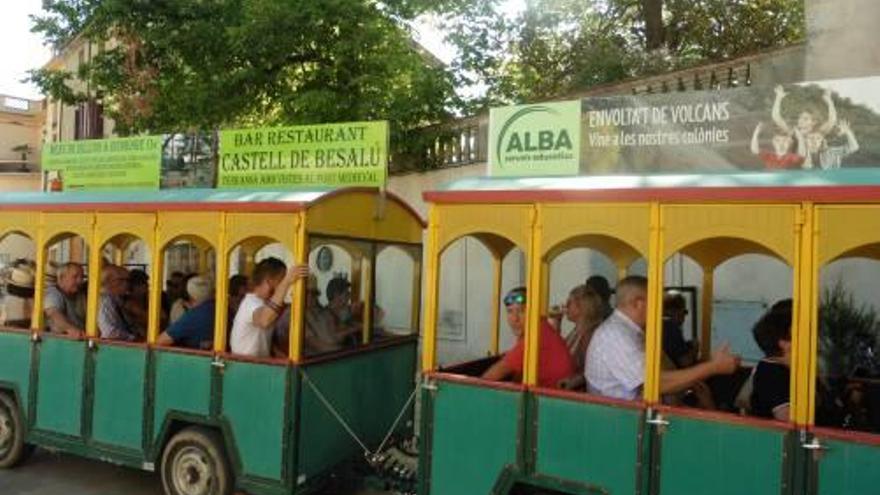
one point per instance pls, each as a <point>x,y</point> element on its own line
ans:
<point>848,334</point>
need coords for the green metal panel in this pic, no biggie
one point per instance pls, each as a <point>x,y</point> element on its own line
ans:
<point>368,390</point>
<point>593,444</point>
<point>474,437</point>
<point>253,403</point>
<point>183,383</point>
<point>60,386</point>
<point>849,469</point>
<point>118,411</point>
<point>15,364</point>
<point>703,456</point>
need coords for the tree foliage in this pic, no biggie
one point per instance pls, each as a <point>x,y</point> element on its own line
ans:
<point>176,64</point>
<point>559,46</point>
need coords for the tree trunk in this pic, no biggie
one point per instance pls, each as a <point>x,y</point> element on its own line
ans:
<point>652,14</point>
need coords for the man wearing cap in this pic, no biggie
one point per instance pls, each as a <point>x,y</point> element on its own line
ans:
<point>64,303</point>
<point>195,329</point>
<point>554,361</point>
<point>19,301</point>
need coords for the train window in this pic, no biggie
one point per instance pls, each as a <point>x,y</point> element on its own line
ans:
<point>747,299</point>
<point>186,316</point>
<point>472,329</point>
<point>398,284</point>
<point>848,387</point>
<point>338,293</point>
<point>576,309</point>
<point>123,305</point>
<point>17,280</point>
<point>66,290</point>
<point>256,265</point>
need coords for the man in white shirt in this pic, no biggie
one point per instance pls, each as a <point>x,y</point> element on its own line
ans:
<point>254,322</point>
<point>615,361</point>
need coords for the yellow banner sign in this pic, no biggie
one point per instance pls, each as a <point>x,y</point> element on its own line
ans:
<point>323,155</point>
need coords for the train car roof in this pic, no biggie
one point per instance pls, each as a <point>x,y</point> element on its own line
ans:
<point>847,185</point>
<point>178,200</point>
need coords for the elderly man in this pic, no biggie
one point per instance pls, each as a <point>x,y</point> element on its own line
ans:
<point>64,304</point>
<point>111,317</point>
<point>195,329</point>
<point>615,362</point>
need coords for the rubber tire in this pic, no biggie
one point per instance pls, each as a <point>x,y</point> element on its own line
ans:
<point>210,445</point>
<point>19,450</point>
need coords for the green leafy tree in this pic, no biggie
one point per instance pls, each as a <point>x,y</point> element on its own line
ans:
<point>556,47</point>
<point>177,65</point>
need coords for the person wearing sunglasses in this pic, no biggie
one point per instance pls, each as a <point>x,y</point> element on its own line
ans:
<point>554,361</point>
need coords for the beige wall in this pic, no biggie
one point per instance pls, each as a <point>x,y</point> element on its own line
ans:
<point>19,127</point>
<point>843,40</point>
<point>10,182</point>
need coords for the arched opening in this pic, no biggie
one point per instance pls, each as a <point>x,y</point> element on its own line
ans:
<point>124,295</point>
<point>17,280</point>
<point>723,300</point>
<point>398,289</point>
<point>582,274</point>
<point>340,311</point>
<point>848,363</point>
<point>67,285</point>
<point>186,314</point>
<point>475,272</point>
<point>257,268</point>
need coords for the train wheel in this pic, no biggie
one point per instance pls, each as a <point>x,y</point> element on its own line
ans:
<point>13,450</point>
<point>195,463</point>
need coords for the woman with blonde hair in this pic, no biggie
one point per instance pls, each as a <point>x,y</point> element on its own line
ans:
<point>584,308</point>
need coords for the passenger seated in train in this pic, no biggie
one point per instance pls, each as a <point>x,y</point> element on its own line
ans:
<point>676,348</point>
<point>255,320</point>
<point>238,287</point>
<point>600,286</point>
<point>183,303</point>
<point>64,303</point>
<point>137,302</point>
<point>111,315</point>
<point>615,362</point>
<point>554,362</point>
<point>195,329</point>
<point>321,333</point>
<point>585,309</point>
<point>18,304</point>
<point>770,380</point>
<point>339,304</point>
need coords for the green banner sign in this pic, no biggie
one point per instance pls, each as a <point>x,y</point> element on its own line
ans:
<point>101,164</point>
<point>542,139</point>
<point>333,155</point>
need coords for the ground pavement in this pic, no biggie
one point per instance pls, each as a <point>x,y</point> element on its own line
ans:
<point>47,473</point>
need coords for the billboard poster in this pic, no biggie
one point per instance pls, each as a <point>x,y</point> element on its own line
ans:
<point>105,164</point>
<point>321,155</point>
<point>541,139</point>
<point>822,125</point>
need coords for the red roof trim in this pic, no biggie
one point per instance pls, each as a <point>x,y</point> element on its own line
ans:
<point>729,418</point>
<point>847,436</point>
<point>824,194</point>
